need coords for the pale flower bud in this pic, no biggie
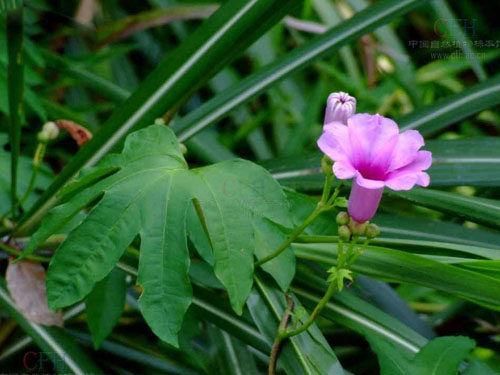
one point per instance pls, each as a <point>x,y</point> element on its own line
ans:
<point>344,233</point>
<point>372,231</point>
<point>342,218</point>
<point>340,106</point>
<point>49,132</point>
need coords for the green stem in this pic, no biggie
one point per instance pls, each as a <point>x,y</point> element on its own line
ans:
<point>292,236</point>
<point>273,359</point>
<point>327,187</point>
<point>317,310</point>
<point>323,205</point>
<point>37,162</point>
<point>15,252</point>
<point>31,185</point>
<point>331,201</point>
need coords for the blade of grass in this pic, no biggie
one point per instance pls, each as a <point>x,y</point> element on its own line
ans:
<point>398,266</point>
<point>155,362</point>
<point>8,5</point>
<point>454,108</point>
<point>15,86</point>
<point>116,30</point>
<point>350,310</point>
<point>444,13</point>
<point>330,17</point>
<point>404,68</point>
<point>325,44</point>
<point>480,210</point>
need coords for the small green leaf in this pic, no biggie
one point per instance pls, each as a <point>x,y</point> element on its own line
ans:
<point>339,276</point>
<point>105,305</point>
<point>341,202</point>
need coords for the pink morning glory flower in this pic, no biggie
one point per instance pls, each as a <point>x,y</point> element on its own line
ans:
<point>371,150</point>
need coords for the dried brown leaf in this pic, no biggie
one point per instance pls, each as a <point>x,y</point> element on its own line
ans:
<point>26,284</point>
<point>80,134</point>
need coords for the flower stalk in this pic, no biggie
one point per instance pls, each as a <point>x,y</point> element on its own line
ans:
<point>326,203</point>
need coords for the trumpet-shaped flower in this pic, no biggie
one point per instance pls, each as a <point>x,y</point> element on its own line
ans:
<point>371,150</point>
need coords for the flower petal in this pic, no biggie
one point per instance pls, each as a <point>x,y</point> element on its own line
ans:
<point>423,179</point>
<point>409,142</point>
<point>343,170</point>
<point>406,177</point>
<point>367,183</point>
<point>422,161</point>
<point>402,181</point>
<point>373,138</point>
<point>334,141</point>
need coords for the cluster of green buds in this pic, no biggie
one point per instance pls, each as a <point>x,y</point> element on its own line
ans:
<point>348,227</point>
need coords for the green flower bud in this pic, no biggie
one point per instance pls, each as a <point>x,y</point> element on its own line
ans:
<point>42,137</point>
<point>372,231</point>
<point>357,229</point>
<point>344,233</point>
<point>326,165</point>
<point>342,218</point>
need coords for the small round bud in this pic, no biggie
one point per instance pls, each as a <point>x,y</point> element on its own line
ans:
<point>183,148</point>
<point>344,233</point>
<point>51,129</point>
<point>342,218</point>
<point>372,231</point>
<point>42,137</point>
<point>49,132</point>
<point>357,229</point>
<point>159,121</point>
<point>326,165</point>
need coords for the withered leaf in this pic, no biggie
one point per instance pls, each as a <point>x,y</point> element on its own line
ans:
<point>79,133</point>
<point>26,284</point>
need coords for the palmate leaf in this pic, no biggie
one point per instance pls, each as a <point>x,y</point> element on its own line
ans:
<point>151,195</point>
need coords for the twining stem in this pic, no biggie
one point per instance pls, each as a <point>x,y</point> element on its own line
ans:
<point>277,341</point>
<point>344,261</point>
<point>317,310</point>
<point>323,205</point>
